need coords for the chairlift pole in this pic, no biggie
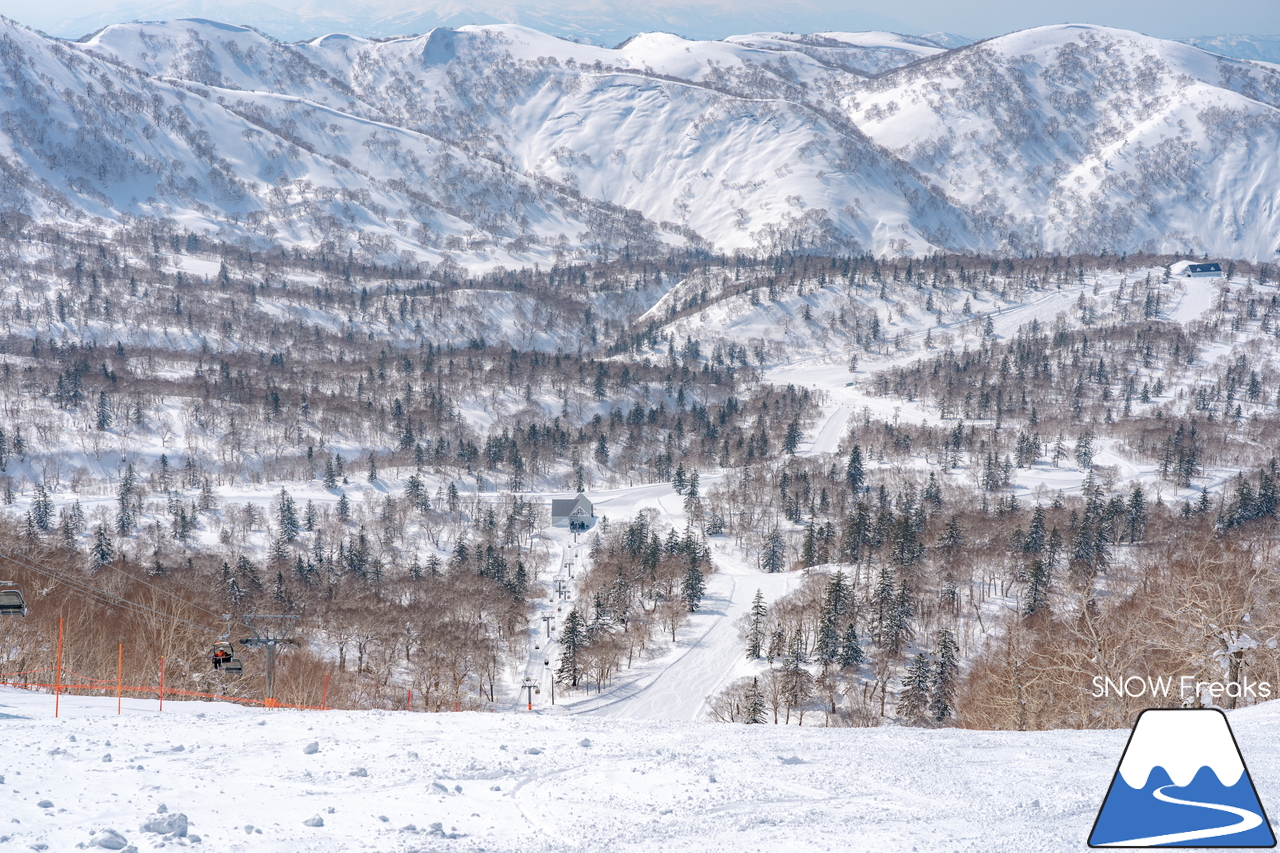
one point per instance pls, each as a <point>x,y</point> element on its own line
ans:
<point>271,671</point>
<point>57,690</point>
<point>269,632</point>
<point>547,621</point>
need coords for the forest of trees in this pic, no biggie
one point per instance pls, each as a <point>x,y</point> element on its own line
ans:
<point>303,432</point>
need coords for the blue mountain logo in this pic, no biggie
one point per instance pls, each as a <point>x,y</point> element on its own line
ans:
<point>1182,783</point>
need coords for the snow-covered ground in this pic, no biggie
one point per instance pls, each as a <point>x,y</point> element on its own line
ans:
<point>526,782</point>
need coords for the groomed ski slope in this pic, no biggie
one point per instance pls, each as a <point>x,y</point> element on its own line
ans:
<point>529,782</point>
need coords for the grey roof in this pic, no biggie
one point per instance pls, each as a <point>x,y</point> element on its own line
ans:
<point>563,508</point>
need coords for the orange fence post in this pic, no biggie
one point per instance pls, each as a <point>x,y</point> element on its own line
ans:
<point>324,697</point>
<point>57,690</point>
<point>408,701</point>
<point>161,684</point>
<point>119,677</point>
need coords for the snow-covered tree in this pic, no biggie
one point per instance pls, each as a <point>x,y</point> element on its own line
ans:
<point>913,704</point>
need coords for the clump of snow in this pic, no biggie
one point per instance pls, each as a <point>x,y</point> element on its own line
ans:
<point>108,839</point>
<point>167,824</point>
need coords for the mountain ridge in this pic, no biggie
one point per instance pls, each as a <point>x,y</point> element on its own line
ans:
<point>501,145</point>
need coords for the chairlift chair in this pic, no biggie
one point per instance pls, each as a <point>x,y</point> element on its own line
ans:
<point>233,667</point>
<point>222,654</point>
<point>11,601</point>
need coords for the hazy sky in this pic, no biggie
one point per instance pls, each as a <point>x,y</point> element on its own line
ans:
<point>975,19</point>
<point>1163,18</point>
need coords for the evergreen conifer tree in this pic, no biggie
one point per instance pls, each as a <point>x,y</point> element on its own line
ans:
<point>103,419</point>
<point>774,557</point>
<point>755,632</point>
<point>1137,512</point>
<point>694,585</point>
<point>797,681</point>
<point>791,441</point>
<point>853,472</point>
<point>1037,587</point>
<point>850,648</point>
<point>883,606</point>
<point>828,645</point>
<point>755,704</point>
<point>102,551</point>
<point>903,610</point>
<point>952,537</point>
<point>573,639</point>
<point>287,516</point>
<point>945,672</point>
<point>41,507</point>
<point>125,517</point>
<point>917,684</point>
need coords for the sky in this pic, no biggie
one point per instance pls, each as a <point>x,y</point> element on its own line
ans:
<point>603,20</point>
<point>1161,18</point>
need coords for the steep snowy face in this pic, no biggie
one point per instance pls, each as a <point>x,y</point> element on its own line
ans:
<point>1079,138</point>
<point>1181,742</point>
<point>716,138</point>
<point>210,132</point>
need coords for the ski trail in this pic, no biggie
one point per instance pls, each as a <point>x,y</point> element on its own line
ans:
<point>1248,820</point>
<point>680,691</point>
<point>827,438</point>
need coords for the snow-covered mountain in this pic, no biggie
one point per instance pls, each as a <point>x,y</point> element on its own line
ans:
<point>1257,48</point>
<point>601,22</point>
<point>502,145</point>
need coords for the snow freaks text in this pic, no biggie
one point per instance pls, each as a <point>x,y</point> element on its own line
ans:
<point>1185,687</point>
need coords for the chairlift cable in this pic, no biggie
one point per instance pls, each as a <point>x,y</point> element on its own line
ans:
<point>104,597</point>
<point>160,590</point>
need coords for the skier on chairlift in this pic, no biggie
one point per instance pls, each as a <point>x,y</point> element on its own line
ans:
<point>221,654</point>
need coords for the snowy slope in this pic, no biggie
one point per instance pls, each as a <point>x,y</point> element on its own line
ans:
<point>864,53</point>
<point>527,782</point>
<point>712,136</point>
<point>1083,139</point>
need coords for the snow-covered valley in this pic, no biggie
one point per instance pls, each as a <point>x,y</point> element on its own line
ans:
<point>859,388</point>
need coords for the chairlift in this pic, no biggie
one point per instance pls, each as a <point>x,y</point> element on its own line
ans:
<point>222,654</point>
<point>233,667</point>
<point>12,602</point>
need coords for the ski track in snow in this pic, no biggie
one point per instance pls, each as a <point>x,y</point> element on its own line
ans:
<point>693,669</point>
<point>532,782</point>
<point>679,692</point>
